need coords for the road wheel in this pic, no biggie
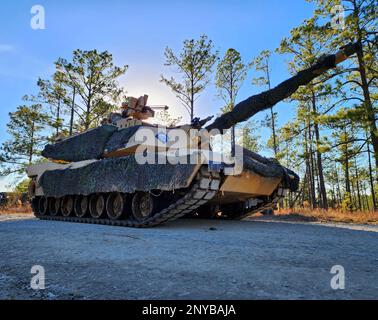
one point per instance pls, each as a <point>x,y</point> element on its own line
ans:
<point>115,205</point>
<point>54,206</point>
<point>96,205</point>
<point>67,206</point>
<point>142,206</point>
<point>81,206</point>
<point>43,206</point>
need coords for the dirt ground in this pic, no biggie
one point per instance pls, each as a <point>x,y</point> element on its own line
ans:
<point>262,258</point>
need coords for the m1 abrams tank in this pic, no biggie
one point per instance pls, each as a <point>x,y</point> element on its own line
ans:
<point>128,172</point>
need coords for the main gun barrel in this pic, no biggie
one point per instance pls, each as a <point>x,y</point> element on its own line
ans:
<point>254,104</point>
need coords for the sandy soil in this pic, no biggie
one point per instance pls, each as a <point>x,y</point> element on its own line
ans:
<point>255,259</point>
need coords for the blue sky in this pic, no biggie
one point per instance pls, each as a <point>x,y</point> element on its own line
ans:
<point>136,33</point>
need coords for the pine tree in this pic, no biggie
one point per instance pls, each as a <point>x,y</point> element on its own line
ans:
<point>262,64</point>
<point>250,137</point>
<point>194,63</point>
<point>26,128</point>
<point>346,142</point>
<point>53,94</point>
<point>360,26</point>
<point>167,119</point>
<point>94,77</point>
<point>306,44</point>
<point>230,75</point>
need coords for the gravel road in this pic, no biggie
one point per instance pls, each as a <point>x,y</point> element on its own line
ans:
<point>187,259</point>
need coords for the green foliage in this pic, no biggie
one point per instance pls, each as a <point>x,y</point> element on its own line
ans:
<point>54,95</point>
<point>25,128</point>
<point>167,119</point>
<point>357,83</point>
<point>332,111</point>
<point>22,186</point>
<point>194,63</point>
<point>250,137</point>
<point>230,75</point>
<point>94,76</point>
<point>262,65</point>
<point>347,204</point>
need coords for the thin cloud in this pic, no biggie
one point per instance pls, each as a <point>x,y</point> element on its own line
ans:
<point>6,48</point>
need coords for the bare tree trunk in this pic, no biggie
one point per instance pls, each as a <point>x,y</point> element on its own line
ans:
<point>192,100</point>
<point>357,184</point>
<point>31,147</point>
<point>88,114</point>
<point>371,178</point>
<point>233,127</point>
<point>307,180</point>
<point>353,196</point>
<point>338,186</point>
<point>334,200</point>
<point>57,117</point>
<point>322,188</point>
<point>347,181</point>
<point>303,191</point>
<point>275,147</point>
<point>273,121</point>
<point>312,169</point>
<point>366,202</point>
<point>72,111</point>
<point>317,183</point>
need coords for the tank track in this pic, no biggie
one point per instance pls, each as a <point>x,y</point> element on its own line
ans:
<point>205,187</point>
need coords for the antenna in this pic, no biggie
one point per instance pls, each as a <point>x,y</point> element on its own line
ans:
<point>159,107</point>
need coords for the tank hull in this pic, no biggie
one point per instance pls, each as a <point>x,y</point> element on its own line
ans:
<point>200,190</point>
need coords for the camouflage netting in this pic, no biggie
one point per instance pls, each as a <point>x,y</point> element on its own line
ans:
<point>119,139</point>
<point>89,145</point>
<point>269,168</point>
<point>126,175</point>
<point>262,166</point>
<point>115,174</point>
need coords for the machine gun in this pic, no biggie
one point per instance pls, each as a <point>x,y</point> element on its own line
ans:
<point>134,110</point>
